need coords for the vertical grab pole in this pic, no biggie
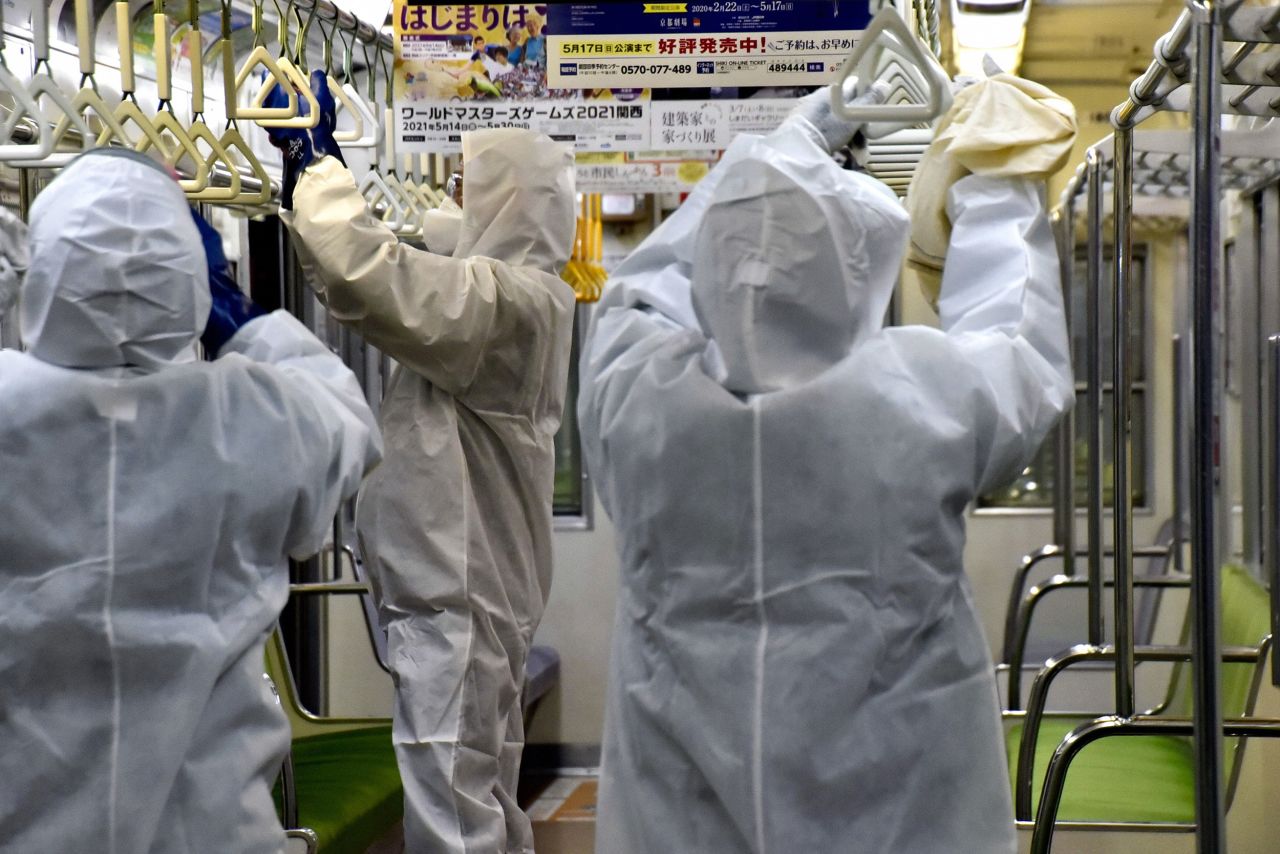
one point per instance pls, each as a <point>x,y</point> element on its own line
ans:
<point>1179,456</point>
<point>1271,435</point>
<point>1206,635</point>
<point>1064,499</point>
<point>1122,435</point>
<point>1253,379</point>
<point>1093,344</point>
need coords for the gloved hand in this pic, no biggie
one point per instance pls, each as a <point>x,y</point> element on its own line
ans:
<point>836,132</point>
<point>300,147</point>
<point>231,307</point>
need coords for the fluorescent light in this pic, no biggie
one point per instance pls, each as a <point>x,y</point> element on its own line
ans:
<point>996,27</point>
<point>969,62</point>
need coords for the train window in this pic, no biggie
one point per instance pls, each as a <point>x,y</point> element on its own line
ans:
<point>1034,487</point>
<point>571,497</point>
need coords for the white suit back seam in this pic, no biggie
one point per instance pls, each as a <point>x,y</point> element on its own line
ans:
<point>762,642</point>
<point>112,792</point>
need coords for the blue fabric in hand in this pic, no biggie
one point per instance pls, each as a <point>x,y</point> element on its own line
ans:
<point>299,147</point>
<point>231,307</point>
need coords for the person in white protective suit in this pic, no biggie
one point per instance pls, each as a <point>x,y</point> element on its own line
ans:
<point>456,526</point>
<point>13,265</point>
<point>797,663</point>
<point>150,501</point>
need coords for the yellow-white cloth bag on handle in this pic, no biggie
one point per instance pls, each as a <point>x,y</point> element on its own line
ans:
<point>1002,126</point>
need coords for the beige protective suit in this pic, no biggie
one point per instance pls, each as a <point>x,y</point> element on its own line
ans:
<point>456,526</point>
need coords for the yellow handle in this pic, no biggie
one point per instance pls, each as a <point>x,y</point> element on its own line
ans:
<point>195,45</point>
<point>294,84</point>
<point>217,154</point>
<point>229,77</point>
<point>124,38</point>
<point>232,140</point>
<point>164,84</point>
<point>84,36</point>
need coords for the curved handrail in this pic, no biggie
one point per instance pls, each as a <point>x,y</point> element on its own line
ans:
<point>1065,582</point>
<point>1076,655</point>
<point>1110,725</point>
<point>1031,561</point>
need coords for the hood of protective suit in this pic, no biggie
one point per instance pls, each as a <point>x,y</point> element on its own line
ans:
<point>518,199</point>
<point>117,274</point>
<point>794,261</point>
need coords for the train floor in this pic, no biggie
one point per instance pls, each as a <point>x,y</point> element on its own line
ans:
<point>562,806</point>
<point>563,810</point>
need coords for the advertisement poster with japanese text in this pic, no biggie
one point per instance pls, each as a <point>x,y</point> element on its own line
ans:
<point>643,172</point>
<point>469,66</point>
<point>702,43</point>
<point>462,67</point>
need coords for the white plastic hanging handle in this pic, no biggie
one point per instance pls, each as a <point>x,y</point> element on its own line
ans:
<point>889,44</point>
<point>365,121</point>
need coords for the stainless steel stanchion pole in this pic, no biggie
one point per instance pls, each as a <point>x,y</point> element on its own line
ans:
<point>1271,435</point>
<point>1122,435</point>
<point>1206,635</point>
<point>1095,173</point>
<point>1064,498</point>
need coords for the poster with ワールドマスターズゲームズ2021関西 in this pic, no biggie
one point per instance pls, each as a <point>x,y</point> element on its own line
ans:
<point>467,67</point>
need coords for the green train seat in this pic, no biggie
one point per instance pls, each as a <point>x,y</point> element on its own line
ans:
<point>1150,779</point>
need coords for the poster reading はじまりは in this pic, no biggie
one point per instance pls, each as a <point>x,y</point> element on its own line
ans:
<point>470,66</point>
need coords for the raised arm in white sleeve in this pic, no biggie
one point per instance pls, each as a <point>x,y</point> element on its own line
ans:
<point>1001,304</point>
<point>340,442</point>
<point>432,313</point>
<point>451,320</point>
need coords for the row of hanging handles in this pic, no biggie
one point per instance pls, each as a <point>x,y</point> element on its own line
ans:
<point>197,150</point>
<point>58,126</point>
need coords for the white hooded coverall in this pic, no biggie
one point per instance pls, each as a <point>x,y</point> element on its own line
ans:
<point>149,503</point>
<point>456,526</point>
<point>797,662</point>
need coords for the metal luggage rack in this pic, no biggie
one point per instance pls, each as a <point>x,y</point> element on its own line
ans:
<point>1162,164</point>
<point>1213,62</point>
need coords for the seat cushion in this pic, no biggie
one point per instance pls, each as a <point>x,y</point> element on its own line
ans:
<point>542,672</point>
<point>1143,778</point>
<point>348,787</point>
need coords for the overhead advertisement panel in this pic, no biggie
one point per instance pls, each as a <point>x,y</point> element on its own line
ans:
<point>470,66</point>
<point>701,44</point>
<point>719,68</point>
